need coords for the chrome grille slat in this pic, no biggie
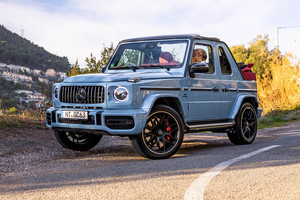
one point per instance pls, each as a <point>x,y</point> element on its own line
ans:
<point>88,95</point>
<point>94,94</point>
<point>68,94</point>
<point>102,94</point>
<point>91,93</point>
<point>74,94</point>
<point>65,94</point>
<point>61,94</point>
<point>98,95</point>
<point>71,95</point>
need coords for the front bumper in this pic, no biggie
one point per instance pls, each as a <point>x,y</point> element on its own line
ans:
<point>113,122</point>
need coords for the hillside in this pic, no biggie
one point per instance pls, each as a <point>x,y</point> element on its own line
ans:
<point>20,51</point>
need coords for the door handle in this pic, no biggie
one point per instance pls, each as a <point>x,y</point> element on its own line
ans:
<point>215,89</point>
<point>225,89</point>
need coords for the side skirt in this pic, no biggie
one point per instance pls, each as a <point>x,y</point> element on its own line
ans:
<point>209,126</point>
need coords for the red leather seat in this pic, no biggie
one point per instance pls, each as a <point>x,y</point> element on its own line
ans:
<point>165,57</point>
<point>248,74</point>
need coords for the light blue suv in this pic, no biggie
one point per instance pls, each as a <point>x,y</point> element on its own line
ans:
<point>154,90</point>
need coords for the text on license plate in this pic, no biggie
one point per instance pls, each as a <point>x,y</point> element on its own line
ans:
<point>75,114</point>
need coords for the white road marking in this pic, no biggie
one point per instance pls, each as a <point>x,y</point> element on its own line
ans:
<point>197,188</point>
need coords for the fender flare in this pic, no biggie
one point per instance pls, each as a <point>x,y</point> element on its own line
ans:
<point>238,103</point>
<point>150,99</point>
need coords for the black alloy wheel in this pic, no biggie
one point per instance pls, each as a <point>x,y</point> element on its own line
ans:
<point>76,140</point>
<point>248,124</point>
<point>245,128</point>
<point>162,135</point>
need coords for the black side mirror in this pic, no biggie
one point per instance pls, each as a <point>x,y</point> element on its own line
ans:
<point>103,69</point>
<point>199,68</point>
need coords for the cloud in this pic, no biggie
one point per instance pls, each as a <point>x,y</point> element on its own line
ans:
<point>75,28</point>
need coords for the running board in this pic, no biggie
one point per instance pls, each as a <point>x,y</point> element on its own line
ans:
<point>210,126</point>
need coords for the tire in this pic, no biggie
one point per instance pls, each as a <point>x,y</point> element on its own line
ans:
<point>162,135</point>
<point>245,128</point>
<point>77,141</point>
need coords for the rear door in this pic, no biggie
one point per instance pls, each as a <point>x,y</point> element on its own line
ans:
<point>229,77</point>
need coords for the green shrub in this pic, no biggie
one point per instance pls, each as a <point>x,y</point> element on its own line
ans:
<point>12,110</point>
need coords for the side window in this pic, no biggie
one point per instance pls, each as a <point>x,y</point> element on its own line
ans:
<point>203,53</point>
<point>224,63</point>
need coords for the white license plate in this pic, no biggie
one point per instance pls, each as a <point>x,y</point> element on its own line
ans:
<point>75,115</point>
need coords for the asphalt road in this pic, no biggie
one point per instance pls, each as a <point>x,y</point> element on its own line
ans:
<point>112,170</point>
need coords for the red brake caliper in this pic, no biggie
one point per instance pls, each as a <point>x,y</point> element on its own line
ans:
<point>168,129</point>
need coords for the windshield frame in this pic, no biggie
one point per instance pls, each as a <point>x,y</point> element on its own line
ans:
<point>154,65</point>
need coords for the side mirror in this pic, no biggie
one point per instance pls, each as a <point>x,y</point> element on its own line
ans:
<point>103,69</point>
<point>199,68</point>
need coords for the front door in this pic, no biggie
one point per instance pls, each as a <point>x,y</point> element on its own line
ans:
<point>204,89</point>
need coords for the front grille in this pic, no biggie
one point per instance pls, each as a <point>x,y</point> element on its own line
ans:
<point>93,94</point>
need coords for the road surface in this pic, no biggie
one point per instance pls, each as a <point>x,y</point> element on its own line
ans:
<point>207,166</point>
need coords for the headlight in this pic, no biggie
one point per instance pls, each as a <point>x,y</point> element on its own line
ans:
<point>55,93</point>
<point>120,93</point>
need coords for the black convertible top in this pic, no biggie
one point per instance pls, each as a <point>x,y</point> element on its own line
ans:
<point>161,37</point>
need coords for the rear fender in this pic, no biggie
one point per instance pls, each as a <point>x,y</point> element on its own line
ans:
<point>238,103</point>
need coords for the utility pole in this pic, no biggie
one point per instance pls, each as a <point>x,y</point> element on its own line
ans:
<point>277,34</point>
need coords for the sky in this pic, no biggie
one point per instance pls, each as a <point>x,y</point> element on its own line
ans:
<point>76,28</point>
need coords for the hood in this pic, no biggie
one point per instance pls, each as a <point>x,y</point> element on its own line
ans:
<point>107,77</point>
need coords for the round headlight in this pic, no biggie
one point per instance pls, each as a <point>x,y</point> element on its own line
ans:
<point>55,93</point>
<point>120,93</point>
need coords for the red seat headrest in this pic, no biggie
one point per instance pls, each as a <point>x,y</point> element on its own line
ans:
<point>167,56</point>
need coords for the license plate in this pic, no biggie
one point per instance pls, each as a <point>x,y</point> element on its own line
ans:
<point>75,115</point>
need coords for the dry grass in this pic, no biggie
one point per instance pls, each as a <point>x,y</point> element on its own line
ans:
<point>279,118</point>
<point>279,90</point>
<point>25,114</point>
<point>22,119</point>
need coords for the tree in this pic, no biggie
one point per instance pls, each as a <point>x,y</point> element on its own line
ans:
<point>257,53</point>
<point>241,54</point>
<point>75,70</point>
<point>92,64</point>
<point>277,78</point>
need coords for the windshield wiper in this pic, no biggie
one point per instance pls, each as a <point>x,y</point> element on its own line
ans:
<point>157,65</point>
<point>134,68</point>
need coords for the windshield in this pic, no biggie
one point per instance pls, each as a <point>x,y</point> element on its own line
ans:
<point>149,54</point>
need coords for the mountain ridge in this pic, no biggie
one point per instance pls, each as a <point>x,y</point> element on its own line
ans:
<point>17,50</point>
